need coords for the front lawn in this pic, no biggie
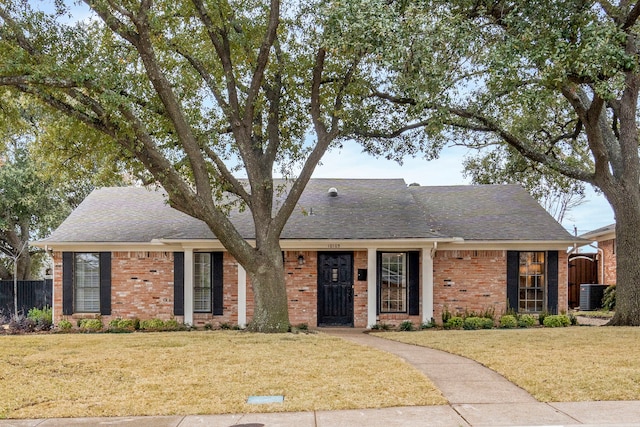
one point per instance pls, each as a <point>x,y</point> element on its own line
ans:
<point>554,365</point>
<point>70,375</point>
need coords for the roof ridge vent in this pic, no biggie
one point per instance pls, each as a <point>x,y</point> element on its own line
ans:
<point>333,192</point>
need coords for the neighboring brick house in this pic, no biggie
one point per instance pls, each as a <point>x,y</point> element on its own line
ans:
<point>606,239</point>
<point>371,251</point>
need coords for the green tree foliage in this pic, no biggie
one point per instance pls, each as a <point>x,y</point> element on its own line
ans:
<point>557,193</point>
<point>557,81</point>
<point>30,207</point>
<point>198,92</point>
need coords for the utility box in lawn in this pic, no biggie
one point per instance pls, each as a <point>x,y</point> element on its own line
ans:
<point>591,296</point>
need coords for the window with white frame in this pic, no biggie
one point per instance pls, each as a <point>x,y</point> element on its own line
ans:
<point>86,282</point>
<point>532,282</point>
<point>202,282</point>
<point>393,282</point>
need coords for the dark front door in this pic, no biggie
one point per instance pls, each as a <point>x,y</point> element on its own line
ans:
<point>335,289</point>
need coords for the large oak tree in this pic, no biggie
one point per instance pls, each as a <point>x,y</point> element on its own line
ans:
<point>557,81</point>
<point>197,92</point>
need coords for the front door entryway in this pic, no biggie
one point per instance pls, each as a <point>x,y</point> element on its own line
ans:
<point>335,289</point>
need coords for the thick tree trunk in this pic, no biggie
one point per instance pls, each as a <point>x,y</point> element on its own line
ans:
<point>271,313</point>
<point>627,212</point>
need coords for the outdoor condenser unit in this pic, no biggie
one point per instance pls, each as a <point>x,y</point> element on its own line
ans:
<point>591,296</point>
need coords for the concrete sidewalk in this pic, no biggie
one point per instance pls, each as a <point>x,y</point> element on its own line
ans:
<point>477,397</point>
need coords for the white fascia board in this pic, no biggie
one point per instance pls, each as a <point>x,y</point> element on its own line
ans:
<point>169,245</point>
<point>521,245</point>
<point>599,237</point>
<point>321,244</point>
<point>328,245</point>
<point>105,246</point>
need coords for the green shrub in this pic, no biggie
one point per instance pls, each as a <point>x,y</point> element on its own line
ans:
<point>526,321</point>
<point>42,317</point>
<point>64,325</point>
<point>556,321</point>
<point>472,323</point>
<point>152,325</point>
<point>508,321</point>
<point>122,325</point>
<point>455,322</point>
<point>225,326</point>
<point>486,323</point>
<point>406,325</point>
<point>541,317</point>
<point>609,298</point>
<point>158,325</point>
<point>446,315</point>
<point>90,325</point>
<point>173,325</point>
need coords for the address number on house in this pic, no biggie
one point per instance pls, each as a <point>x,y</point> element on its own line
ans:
<point>333,245</point>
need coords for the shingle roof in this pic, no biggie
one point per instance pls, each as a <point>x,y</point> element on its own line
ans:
<point>488,212</point>
<point>362,209</point>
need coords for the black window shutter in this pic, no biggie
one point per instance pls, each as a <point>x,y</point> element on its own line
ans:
<point>178,283</point>
<point>218,293</point>
<point>552,282</point>
<point>513,276</point>
<point>379,280</point>
<point>67,283</point>
<point>414,282</point>
<point>105,283</point>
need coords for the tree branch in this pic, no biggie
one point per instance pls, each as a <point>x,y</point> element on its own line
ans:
<point>262,61</point>
<point>222,50</point>
<point>523,147</point>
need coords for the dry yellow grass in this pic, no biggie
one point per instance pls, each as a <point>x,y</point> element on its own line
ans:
<point>561,364</point>
<point>198,373</point>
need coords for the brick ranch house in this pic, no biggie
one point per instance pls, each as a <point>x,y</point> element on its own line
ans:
<point>357,252</point>
<point>605,237</point>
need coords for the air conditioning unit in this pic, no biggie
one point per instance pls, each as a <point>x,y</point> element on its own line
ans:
<point>591,296</point>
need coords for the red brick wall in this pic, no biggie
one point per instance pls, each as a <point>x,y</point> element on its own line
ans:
<point>477,281</point>
<point>302,288</point>
<point>360,291</point>
<point>563,281</point>
<point>142,287</point>
<point>608,248</point>
<point>469,280</point>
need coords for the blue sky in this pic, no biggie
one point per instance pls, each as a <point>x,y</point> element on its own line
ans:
<point>351,162</point>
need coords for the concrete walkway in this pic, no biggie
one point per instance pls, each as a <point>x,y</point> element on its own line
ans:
<point>477,397</point>
<point>482,397</point>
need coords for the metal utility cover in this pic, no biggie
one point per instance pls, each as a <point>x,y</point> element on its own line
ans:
<point>265,399</point>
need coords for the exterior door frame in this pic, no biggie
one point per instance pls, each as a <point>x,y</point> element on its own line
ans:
<point>339,296</point>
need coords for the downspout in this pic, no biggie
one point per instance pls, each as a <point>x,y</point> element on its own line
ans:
<point>601,254</point>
